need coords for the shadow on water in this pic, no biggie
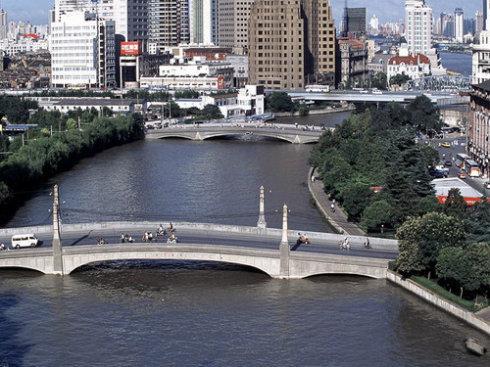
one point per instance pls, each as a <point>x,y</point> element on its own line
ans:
<point>11,352</point>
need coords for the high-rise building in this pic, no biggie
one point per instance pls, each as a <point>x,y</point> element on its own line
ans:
<point>203,21</point>
<point>233,24</point>
<point>3,24</point>
<point>291,43</point>
<point>418,23</point>
<point>130,16</point>
<point>355,22</point>
<point>168,23</point>
<point>82,51</point>
<point>478,23</point>
<point>486,15</point>
<point>458,24</point>
<point>374,25</point>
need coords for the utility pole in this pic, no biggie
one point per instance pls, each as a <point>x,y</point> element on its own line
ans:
<point>57,252</point>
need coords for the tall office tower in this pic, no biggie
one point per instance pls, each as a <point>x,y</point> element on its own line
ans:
<point>437,26</point>
<point>374,25</point>
<point>418,22</point>
<point>356,22</point>
<point>3,24</point>
<point>291,43</point>
<point>458,24</point>
<point>130,16</point>
<point>486,15</point>
<point>82,51</point>
<point>203,21</point>
<point>233,23</point>
<point>478,22</point>
<point>168,23</point>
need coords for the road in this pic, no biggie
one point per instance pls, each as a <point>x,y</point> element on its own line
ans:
<point>224,239</point>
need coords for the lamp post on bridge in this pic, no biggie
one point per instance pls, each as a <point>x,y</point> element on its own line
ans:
<point>284,246</point>
<point>261,223</point>
<point>57,252</point>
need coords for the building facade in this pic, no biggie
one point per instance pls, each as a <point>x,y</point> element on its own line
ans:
<point>168,24</point>
<point>203,21</point>
<point>353,63</point>
<point>83,51</point>
<point>291,43</point>
<point>233,24</point>
<point>414,66</point>
<point>458,25</point>
<point>478,129</point>
<point>355,22</point>
<point>418,23</point>
<point>481,59</point>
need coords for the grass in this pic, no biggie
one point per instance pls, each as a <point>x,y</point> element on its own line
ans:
<point>436,288</point>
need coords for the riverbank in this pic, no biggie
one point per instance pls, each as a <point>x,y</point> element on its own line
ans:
<point>323,111</point>
<point>336,217</point>
<point>480,320</point>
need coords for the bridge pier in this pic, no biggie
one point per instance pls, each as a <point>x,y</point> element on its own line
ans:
<point>261,223</point>
<point>57,251</point>
<point>284,246</point>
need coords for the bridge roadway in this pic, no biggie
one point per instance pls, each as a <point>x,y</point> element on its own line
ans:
<point>249,246</point>
<point>286,132</point>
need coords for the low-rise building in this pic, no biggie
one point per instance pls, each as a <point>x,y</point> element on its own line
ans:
<point>353,60</point>
<point>481,59</point>
<point>414,66</point>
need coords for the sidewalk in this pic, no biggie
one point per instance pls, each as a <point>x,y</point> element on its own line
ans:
<point>336,218</point>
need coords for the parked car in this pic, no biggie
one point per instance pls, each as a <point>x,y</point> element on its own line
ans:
<point>448,163</point>
<point>487,185</point>
<point>462,175</point>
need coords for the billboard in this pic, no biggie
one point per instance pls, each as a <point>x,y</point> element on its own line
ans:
<point>130,48</point>
<point>221,82</point>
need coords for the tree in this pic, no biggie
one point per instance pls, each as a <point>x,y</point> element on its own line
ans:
<point>451,267</point>
<point>71,124</point>
<point>477,221</point>
<point>399,79</point>
<point>428,204</point>
<point>379,80</point>
<point>211,111</point>
<point>280,102</point>
<point>476,259</point>
<point>355,199</point>
<point>425,115</point>
<point>430,233</point>
<point>376,214</point>
<point>455,205</point>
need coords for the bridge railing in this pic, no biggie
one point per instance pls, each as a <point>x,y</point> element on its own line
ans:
<point>206,228</point>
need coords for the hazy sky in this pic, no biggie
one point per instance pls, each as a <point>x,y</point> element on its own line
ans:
<point>36,11</point>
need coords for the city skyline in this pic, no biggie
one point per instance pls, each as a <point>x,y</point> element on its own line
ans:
<point>36,12</point>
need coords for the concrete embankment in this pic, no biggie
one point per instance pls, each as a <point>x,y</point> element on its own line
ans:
<point>440,302</point>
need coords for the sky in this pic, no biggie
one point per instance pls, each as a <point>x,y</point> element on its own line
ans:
<point>36,11</point>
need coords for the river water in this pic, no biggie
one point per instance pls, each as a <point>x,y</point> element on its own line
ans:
<point>154,313</point>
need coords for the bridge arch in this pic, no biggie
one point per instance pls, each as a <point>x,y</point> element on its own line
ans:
<point>40,269</point>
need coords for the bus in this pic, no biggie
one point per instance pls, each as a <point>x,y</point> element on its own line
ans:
<point>317,88</point>
<point>472,168</point>
<point>461,158</point>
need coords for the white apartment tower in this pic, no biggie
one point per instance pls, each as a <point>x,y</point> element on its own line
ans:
<point>203,21</point>
<point>418,26</point>
<point>168,23</point>
<point>82,51</point>
<point>130,16</point>
<point>458,22</point>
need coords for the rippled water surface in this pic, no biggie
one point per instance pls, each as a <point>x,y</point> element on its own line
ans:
<point>207,314</point>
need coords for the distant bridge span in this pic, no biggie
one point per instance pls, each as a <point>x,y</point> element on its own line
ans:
<point>290,134</point>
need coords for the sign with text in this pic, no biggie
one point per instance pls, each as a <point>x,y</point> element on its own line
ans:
<point>130,48</point>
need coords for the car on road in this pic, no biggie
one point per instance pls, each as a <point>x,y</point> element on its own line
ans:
<point>462,175</point>
<point>446,145</point>
<point>448,163</point>
<point>487,185</point>
<point>24,240</point>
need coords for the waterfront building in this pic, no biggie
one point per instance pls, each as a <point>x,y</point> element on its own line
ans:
<point>478,23</point>
<point>168,22</point>
<point>196,74</point>
<point>414,66</point>
<point>291,43</point>
<point>418,22</point>
<point>481,59</point>
<point>478,129</point>
<point>353,61</point>
<point>83,51</point>
<point>117,106</point>
<point>458,25</point>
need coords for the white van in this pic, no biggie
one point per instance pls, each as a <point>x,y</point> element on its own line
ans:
<point>24,240</point>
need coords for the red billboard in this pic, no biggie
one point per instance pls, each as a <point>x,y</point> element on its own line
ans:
<point>130,48</point>
<point>221,83</point>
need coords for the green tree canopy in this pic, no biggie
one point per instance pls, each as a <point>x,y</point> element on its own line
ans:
<point>280,102</point>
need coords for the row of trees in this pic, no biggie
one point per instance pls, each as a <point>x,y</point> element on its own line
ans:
<point>372,166</point>
<point>44,156</point>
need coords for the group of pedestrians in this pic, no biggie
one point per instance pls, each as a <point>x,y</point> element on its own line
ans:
<point>344,244</point>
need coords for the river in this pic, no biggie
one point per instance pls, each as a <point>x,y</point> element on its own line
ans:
<point>153,313</point>
<point>457,62</point>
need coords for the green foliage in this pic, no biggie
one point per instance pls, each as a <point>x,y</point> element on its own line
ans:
<point>376,214</point>
<point>189,93</point>
<point>71,124</point>
<point>423,238</point>
<point>477,221</point>
<point>16,109</point>
<point>428,204</point>
<point>425,115</point>
<point>355,199</point>
<point>211,112</point>
<point>379,80</point>
<point>44,156</point>
<point>280,102</point>
<point>454,204</point>
<point>399,79</point>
